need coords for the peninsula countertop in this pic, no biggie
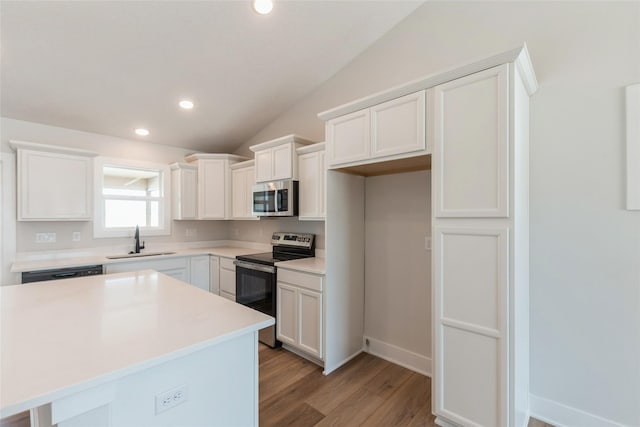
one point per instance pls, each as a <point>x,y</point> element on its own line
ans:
<point>64,336</point>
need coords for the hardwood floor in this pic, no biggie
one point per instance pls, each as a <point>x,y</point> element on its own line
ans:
<point>366,391</point>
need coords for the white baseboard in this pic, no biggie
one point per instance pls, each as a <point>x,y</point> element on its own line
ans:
<point>561,415</point>
<point>400,356</point>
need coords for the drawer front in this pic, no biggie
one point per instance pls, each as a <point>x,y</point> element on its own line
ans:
<point>227,263</point>
<point>305,280</point>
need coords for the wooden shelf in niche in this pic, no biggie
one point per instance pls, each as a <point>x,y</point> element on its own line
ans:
<point>409,164</point>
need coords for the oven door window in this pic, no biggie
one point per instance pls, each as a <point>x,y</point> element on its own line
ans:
<point>255,289</point>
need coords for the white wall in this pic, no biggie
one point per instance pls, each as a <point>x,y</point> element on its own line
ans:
<point>260,231</point>
<point>397,266</point>
<point>585,248</point>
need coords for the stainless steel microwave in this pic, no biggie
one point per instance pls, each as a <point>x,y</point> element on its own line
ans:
<point>277,198</point>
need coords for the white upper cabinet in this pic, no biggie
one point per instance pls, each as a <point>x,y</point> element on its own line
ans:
<point>471,145</point>
<point>398,126</point>
<point>242,180</point>
<point>349,138</point>
<point>214,184</point>
<point>387,131</point>
<point>312,173</point>
<point>54,183</point>
<point>277,159</point>
<point>184,190</point>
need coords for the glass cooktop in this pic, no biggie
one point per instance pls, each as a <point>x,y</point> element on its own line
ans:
<point>269,258</point>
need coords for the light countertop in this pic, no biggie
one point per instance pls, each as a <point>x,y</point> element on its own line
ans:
<point>64,336</point>
<point>53,261</point>
<point>307,265</point>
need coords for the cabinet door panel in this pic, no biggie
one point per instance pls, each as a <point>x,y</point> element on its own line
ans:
<point>470,378</point>
<point>54,186</point>
<point>264,165</point>
<point>199,272</point>
<point>238,193</point>
<point>471,150</point>
<point>309,175</point>
<point>214,273</point>
<point>348,138</point>
<point>176,273</point>
<point>322,184</point>
<point>282,161</point>
<point>286,314</point>
<point>227,281</point>
<point>398,126</point>
<point>310,322</point>
<point>470,312</point>
<point>211,174</point>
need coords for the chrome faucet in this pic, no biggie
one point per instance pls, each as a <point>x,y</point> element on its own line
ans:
<point>137,237</point>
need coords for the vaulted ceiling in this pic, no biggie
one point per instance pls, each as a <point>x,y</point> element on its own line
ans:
<point>110,67</point>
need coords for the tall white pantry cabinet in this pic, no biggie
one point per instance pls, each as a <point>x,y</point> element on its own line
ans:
<point>480,190</point>
<point>477,136</point>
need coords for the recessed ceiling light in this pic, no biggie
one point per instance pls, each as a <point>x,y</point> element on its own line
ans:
<point>142,132</point>
<point>263,7</point>
<point>186,105</point>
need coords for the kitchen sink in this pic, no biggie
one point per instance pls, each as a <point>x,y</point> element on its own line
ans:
<point>140,255</point>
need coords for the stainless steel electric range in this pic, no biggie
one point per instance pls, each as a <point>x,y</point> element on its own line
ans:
<point>256,275</point>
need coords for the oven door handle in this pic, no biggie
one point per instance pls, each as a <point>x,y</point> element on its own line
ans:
<point>258,267</point>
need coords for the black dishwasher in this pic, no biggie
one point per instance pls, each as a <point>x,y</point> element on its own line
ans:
<point>60,273</point>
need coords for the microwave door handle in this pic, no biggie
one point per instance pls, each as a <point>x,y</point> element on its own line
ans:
<point>276,205</point>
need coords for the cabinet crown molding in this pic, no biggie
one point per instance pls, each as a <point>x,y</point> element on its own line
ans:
<point>242,165</point>
<point>519,56</point>
<point>179,165</point>
<point>282,140</point>
<point>25,145</point>
<point>311,148</point>
<point>214,156</point>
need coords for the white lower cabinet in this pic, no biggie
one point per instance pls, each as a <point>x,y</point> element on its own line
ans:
<point>299,319</point>
<point>214,275</point>
<point>175,267</point>
<point>194,270</point>
<point>227,278</point>
<point>199,271</point>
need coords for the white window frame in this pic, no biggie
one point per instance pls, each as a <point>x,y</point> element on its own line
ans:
<point>164,211</point>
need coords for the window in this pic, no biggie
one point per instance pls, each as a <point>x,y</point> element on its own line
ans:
<point>130,194</point>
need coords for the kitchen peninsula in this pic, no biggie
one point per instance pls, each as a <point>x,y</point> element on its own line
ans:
<point>127,349</point>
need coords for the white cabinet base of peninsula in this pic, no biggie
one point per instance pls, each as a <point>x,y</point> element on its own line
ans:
<point>224,393</point>
<point>125,342</point>
<point>299,311</point>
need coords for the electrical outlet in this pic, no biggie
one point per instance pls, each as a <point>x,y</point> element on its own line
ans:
<point>45,237</point>
<point>190,232</point>
<point>427,243</point>
<point>76,236</point>
<point>170,398</point>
